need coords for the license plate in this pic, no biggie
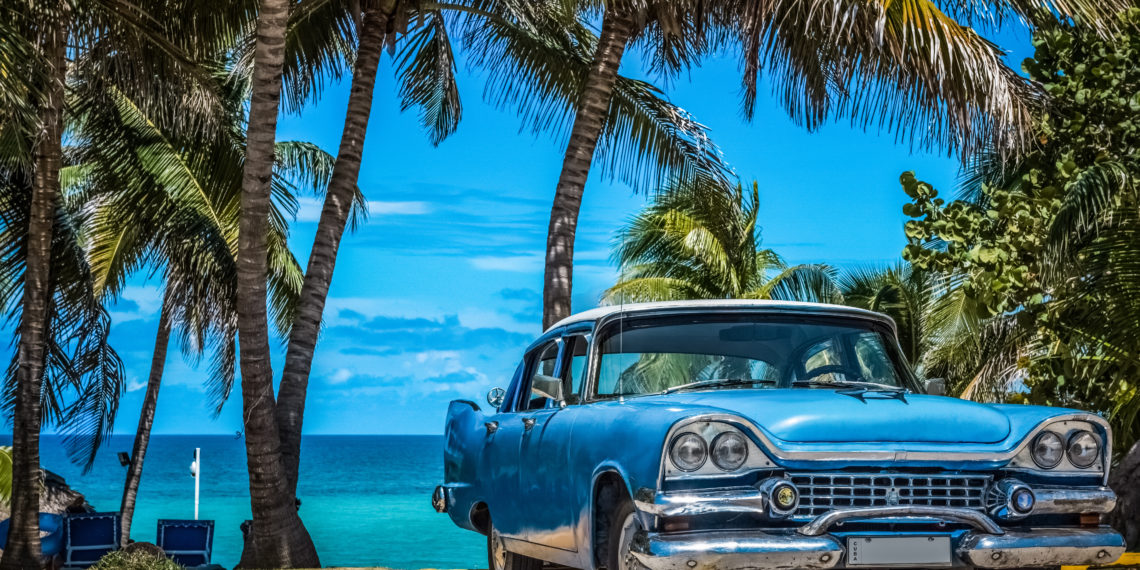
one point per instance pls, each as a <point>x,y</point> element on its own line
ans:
<point>898,550</point>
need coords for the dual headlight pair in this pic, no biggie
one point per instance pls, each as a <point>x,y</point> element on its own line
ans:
<point>689,451</point>
<point>1082,449</point>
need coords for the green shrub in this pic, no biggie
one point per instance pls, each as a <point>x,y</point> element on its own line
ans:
<point>120,560</point>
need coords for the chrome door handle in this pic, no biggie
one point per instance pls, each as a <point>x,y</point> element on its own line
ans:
<point>492,427</point>
<point>528,423</point>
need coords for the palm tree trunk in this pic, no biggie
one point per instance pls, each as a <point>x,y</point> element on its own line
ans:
<point>146,421</point>
<point>23,548</point>
<point>279,537</point>
<point>593,106</point>
<point>1125,480</point>
<point>322,258</point>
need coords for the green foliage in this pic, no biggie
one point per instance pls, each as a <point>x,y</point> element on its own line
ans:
<point>5,474</point>
<point>1045,253</point>
<point>700,240</point>
<point>137,560</point>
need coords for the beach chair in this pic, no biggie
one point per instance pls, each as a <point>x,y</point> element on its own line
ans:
<point>88,537</point>
<point>187,542</point>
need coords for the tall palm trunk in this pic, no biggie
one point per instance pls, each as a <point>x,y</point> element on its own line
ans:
<point>330,230</point>
<point>593,105</point>
<point>1125,480</point>
<point>146,422</point>
<point>279,538</point>
<point>23,548</point>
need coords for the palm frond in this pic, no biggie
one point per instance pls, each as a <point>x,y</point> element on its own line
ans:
<point>425,69</point>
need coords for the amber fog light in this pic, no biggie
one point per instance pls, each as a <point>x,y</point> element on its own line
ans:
<point>688,452</point>
<point>783,497</point>
<point>729,451</point>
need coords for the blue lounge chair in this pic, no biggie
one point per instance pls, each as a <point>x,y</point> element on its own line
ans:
<point>89,536</point>
<point>187,542</point>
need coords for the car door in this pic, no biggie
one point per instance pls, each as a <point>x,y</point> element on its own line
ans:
<point>504,439</point>
<point>545,480</point>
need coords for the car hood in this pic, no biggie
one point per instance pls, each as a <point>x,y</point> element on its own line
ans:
<point>825,415</point>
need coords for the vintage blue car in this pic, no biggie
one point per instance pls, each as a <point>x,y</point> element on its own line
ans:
<point>748,434</point>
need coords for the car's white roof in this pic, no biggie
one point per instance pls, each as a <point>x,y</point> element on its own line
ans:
<point>713,304</point>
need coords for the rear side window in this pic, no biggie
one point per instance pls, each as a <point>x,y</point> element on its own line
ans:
<point>576,371</point>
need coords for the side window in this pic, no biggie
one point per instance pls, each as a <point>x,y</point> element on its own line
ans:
<point>543,377</point>
<point>575,374</point>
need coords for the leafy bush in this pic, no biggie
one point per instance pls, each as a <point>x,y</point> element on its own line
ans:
<point>137,560</point>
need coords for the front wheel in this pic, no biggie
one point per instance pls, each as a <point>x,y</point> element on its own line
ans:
<point>626,525</point>
<point>499,558</point>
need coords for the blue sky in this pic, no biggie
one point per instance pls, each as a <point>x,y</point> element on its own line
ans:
<point>435,296</point>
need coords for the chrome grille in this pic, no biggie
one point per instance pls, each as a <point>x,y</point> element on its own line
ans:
<point>822,492</point>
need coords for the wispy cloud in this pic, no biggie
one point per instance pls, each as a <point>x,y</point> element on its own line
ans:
<point>309,209</point>
<point>515,263</point>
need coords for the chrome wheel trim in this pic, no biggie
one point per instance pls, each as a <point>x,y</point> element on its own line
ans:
<point>498,551</point>
<point>629,528</point>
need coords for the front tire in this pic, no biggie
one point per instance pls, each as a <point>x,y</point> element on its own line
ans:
<point>625,524</point>
<point>499,558</point>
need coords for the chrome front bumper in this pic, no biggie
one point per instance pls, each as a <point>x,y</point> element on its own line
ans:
<point>985,545</point>
<point>733,550</point>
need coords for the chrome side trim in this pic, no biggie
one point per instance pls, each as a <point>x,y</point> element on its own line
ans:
<point>980,521</point>
<point>726,550</point>
<point>770,447</point>
<point>745,500</point>
<point>1060,500</point>
<point>1042,547</point>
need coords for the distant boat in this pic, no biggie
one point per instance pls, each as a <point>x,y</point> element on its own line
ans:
<point>50,543</point>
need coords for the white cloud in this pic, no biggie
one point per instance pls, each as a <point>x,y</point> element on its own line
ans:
<point>309,209</point>
<point>398,208</point>
<point>514,263</point>
<point>148,301</point>
<point>341,376</point>
<point>134,385</point>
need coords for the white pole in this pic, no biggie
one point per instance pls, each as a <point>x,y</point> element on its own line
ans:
<point>197,477</point>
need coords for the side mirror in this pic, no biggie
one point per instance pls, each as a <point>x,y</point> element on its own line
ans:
<point>548,386</point>
<point>936,386</point>
<point>495,397</point>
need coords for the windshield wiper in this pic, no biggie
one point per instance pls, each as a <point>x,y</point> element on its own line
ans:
<point>855,388</point>
<point>714,382</point>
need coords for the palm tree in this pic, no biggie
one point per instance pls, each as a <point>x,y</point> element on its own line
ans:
<point>81,376</point>
<point>900,291</point>
<point>279,537</point>
<point>51,41</point>
<point>701,241</point>
<point>538,63</point>
<point>906,66</point>
<point>675,34</point>
<point>169,200</point>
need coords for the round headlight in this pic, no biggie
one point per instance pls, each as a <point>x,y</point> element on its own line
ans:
<point>1047,450</point>
<point>1083,449</point>
<point>729,451</point>
<point>688,452</point>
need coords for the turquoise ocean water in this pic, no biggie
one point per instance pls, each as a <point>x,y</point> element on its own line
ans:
<point>365,499</point>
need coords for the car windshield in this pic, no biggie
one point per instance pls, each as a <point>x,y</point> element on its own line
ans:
<point>648,355</point>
